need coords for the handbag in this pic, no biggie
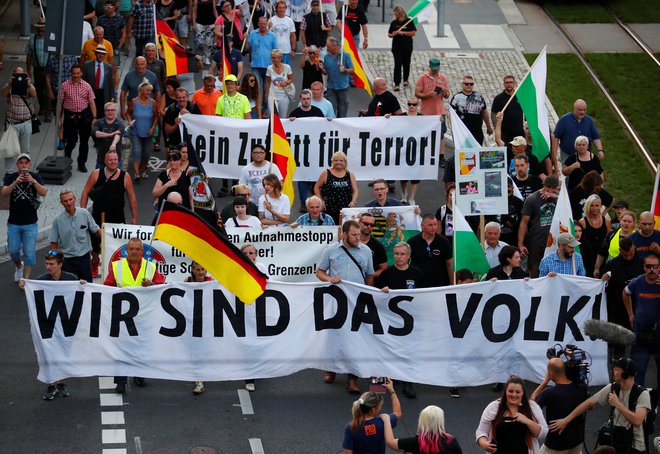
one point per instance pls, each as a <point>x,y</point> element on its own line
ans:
<point>290,91</point>
<point>97,190</point>
<point>36,123</point>
<point>9,144</point>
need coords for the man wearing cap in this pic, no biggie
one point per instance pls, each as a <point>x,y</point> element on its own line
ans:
<point>315,26</point>
<point>564,260</point>
<point>527,183</point>
<point>432,88</point>
<point>233,104</point>
<point>100,75</point>
<point>512,118</point>
<point>471,108</point>
<point>537,213</point>
<point>518,146</point>
<point>36,61</point>
<point>23,187</point>
<point>207,96</point>
<point>620,206</point>
<point>569,127</point>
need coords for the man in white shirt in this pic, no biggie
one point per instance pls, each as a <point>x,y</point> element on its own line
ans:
<point>493,245</point>
<point>254,172</point>
<point>285,31</point>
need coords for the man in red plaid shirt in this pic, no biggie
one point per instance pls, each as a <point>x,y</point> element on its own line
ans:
<point>78,113</point>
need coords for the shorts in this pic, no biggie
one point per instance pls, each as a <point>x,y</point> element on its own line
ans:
<point>182,26</point>
<point>25,235</point>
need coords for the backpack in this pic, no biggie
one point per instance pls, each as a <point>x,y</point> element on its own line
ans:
<point>635,392</point>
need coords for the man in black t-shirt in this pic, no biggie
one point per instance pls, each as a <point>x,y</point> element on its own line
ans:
<point>512,121</point>
<point>356,20</point>
<point>384,103</point>
<point>171,119</point>
<point>527,182</point>
<point>23,187</point>
<point>378,253</point>
<point>431,253</point>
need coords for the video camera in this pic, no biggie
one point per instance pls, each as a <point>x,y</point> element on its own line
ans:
<point>576,360</point>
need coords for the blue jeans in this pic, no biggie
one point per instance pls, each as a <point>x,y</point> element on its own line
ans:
<point>339,100</point>
<point>141,147</point>
<point>261,77</point>
<point>25,235</point>
<point>642,355</point>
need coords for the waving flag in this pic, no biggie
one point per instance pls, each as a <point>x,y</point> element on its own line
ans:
<point>282,156</point>
<point>468,253</point>
<point>462,136</point>
<point>421,11</point>
<point>193,236</point>
<point>531,96</point>
<point>562,220</point>
<point>348,44</point>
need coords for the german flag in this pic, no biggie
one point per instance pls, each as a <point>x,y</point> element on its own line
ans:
<point>281,153</point>
<point>655,204</point>
<point>162,28</point>
<point>359,77</point>
<point>177,59</point>
<point>189,233</point>
<point>225,55</point>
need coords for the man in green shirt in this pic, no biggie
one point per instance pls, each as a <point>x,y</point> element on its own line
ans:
<point>233,104</point>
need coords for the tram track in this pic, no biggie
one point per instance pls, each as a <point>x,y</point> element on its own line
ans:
<point>573,44</point>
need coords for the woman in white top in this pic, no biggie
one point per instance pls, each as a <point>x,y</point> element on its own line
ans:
<point>240,217</point>
<point>279,76</point>
<point>274,207</point>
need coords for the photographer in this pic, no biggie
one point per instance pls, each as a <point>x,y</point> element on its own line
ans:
<point>23,187</point>
<point>627,429</point>
<point>559,401</point>
<point>18,92</point>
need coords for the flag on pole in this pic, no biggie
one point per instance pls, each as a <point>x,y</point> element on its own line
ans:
<point>162,28</point>
<point>193,236</point>
<point>562,220</point>
<point>282,155</point>
<point>421,11</point>
<point>177,59</point>
<point>348,44</point>
<point>468,253</point>
<point>531,96</point>
<point>655,204</point>
<point>462,136</point>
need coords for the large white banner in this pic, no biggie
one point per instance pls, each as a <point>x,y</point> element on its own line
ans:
<point>396,148</point>
<point>290,255</point>
<point>463,335</point>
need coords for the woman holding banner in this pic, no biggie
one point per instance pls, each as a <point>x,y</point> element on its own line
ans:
<point>509,267</point>
<point>337,187</point>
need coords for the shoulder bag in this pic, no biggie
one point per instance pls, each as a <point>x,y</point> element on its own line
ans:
<point>97,190</point>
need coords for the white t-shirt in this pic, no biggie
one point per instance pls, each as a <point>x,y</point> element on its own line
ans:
<point>252,176</point>
<point>277,81</point>
<point>280,205</point>
<point>252,222</point>
<point>283,27</point>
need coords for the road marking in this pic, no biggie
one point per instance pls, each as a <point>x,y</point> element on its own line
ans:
<point>138,445</point>
<point>256,446</point>
<point>115,451</point>
<point>112,417</point>
<point>111,400</point>
<point>245,402</point>
<point>106,383</point>
<point>113,436</point>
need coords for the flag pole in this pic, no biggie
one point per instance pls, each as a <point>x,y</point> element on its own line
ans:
<point>343,24</point>
<point>271,127</point>
<point>453,237</point>
<point>155,32</point>
<point>527,74</point>
<point>247,31</point>
<point>410,19</point>
<point>151,240</point>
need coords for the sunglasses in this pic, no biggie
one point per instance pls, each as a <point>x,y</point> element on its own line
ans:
<point>410,104</point>
<point>469,84</point>
<point>53,253</point>
<point>650,266</point>
<point>367,224</point>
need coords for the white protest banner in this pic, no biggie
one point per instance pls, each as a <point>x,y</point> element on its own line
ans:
<point>464,335</point>
<point>396,148</point>
<point>481,181</point>
<point>290,255</point>
<point>393,224</point>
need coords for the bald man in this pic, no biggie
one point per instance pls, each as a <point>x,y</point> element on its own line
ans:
<point>129,88</point>
<point>559,401</point>
<point>384,103</point>
<point>569,127</point>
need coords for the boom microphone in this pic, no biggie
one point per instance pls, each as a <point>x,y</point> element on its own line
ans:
<point>609,332</point>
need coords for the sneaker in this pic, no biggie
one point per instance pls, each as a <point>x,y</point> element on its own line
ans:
<point>207,62</point>
<point>50,393</point>
<point>145,174</point>
<point>412,202</point>
<point>405,83</point>
<point>443,163</point>
<point>120,388</point>
<point>656,444</point>
<point>453,392</point>
<point>250,387</point>
<point>199,387</point>
<point>409,390</point>
<point>404,198</point>
<point>60,144</point>
<point>95,268</point>
<point>18,274</point>
<point>62,390</point>
<point>82,169</point>
<point>397,88</point>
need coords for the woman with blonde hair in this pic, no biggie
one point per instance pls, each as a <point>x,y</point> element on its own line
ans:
<point>337,187</point>
<point>279,79</point>
<point>431,437</point>
<point>142,112</point>
<point>366,431</point>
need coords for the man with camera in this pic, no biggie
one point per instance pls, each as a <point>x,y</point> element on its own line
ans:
<point>626,432</point>
<point>23,187</point>
<point>559,401</point>
<point>18,93</point>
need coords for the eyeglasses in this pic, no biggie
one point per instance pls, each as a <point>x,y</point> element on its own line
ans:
<point>252,80</point>
<point>367,224</point>
<point>650,266</point>
<point>410,104</point>
<point>469,84</point>
<point>53,253</point>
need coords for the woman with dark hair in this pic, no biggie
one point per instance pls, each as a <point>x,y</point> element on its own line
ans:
<point>512,424</point>
<point>366,431</point>
<point>431,437</point>
<point>401,31</point>
<point>173,179</point>
<point>168,98</point>
<point>509,267</point>
<point>445,214</point>
<point>250,88</point>
<point>274,207</point>
<point>591,183</point>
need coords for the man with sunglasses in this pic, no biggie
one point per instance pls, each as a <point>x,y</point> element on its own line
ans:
<point>646,318</point>
<point>54,260</point>
<point>432,253</point>
<point>471,107</point>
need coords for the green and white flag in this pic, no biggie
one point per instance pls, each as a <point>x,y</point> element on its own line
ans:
<point>462,136</point>
<point>421,11</point>
<point>468,253</point>
<point>562,220</point>
<point>531,96</point>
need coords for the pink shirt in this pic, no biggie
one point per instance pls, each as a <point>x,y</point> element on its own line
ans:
<point>76,97</point>
<point>435,105</point>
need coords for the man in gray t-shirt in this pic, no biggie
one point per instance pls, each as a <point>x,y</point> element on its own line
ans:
<point>129,88</point>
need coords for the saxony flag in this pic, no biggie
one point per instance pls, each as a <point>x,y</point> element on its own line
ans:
<point>421,11</point>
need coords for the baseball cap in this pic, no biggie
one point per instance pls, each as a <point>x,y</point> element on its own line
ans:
<point>621,204</point>
<point>518,141</point>
<point>231,78</point>
<point>23,155</point>
<point>100,49</point>
<point>567,238</point>
<point>434,63</point>
<point>315,2</point>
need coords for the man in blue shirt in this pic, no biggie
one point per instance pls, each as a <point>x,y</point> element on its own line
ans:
<point>338,66</point>
<point>569,127</point>
<point>646,239</point>
<point>260,42</point>
<point>565,260</point>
